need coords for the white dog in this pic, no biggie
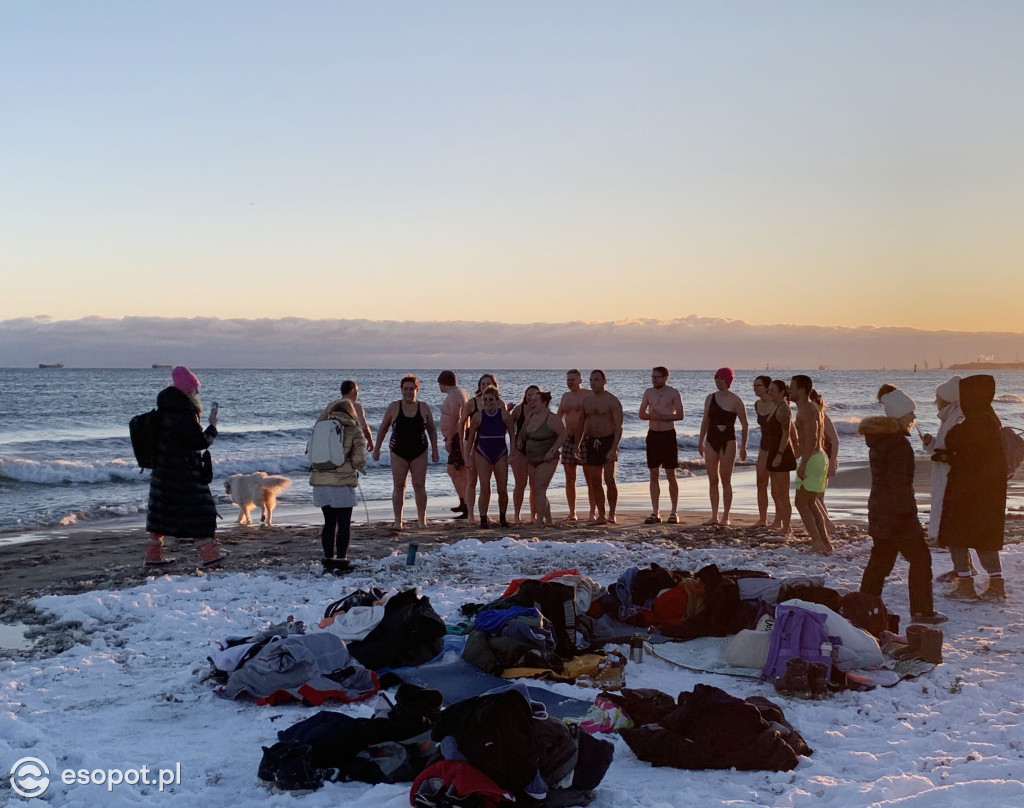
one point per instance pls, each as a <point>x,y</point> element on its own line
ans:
<point>248,490</point>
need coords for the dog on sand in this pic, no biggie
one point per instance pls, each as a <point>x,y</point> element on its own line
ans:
<point>259,488</point>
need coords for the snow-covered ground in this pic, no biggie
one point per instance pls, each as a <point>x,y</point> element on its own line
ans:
<point>130,693</point>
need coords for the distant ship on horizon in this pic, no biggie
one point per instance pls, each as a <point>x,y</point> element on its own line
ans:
<point>54,366</point>
<point>155,366</point>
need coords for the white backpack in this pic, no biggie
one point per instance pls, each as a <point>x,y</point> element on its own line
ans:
<point>326,446</point>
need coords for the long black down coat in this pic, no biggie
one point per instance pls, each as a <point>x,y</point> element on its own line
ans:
<point>974,507</point>
<point>180,503</point>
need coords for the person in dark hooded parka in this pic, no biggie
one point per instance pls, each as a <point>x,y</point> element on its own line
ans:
<point>892,507</point>
<point>180,502</point>
<point>974,506</point>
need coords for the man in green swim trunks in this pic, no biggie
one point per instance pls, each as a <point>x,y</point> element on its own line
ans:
<point>812,472</point>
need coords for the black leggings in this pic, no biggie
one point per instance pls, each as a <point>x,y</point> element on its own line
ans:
<point>336,521</point>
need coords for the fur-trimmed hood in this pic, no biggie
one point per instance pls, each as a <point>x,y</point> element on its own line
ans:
<point>882,425</point>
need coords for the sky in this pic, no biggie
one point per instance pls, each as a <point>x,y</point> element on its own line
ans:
<point>801,163</point>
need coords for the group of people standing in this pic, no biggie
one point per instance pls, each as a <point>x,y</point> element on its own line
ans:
<point>968,493</point>
<point>805,442</point>
<point>484,437</point>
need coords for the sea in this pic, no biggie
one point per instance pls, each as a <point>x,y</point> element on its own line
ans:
<point>65,457</point>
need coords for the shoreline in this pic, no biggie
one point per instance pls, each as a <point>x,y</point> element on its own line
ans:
<point>85,557</point>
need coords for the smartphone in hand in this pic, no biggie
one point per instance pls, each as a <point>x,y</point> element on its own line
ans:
<point>214,407</point>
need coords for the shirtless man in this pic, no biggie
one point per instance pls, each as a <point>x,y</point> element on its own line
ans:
<point>569,410</point>
<point>350,390</point>
<point>717,440</point>
<point>662,406</point>
<point>812,471</point>
<point>600,427</point>
<point>455,400</point>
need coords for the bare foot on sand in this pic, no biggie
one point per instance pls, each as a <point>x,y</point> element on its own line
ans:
<point>599,521</point>
<point>760,523</point>
<point>572,517</point>
<point>712,522</point>
<point>611,519</point>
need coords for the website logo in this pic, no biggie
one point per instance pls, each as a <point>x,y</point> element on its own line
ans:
<point>30,777</point>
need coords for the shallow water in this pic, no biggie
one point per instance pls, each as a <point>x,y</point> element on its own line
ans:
<point>65,457</point>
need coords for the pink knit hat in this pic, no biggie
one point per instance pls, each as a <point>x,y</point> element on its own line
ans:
<point>726,374</point>
<point>184,379</point>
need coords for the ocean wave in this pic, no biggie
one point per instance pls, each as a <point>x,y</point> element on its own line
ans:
<point>63,472</point>
<point>639,442</point>
<point>100,512</point>
<point>847,426</point>
<point>1008,398</point>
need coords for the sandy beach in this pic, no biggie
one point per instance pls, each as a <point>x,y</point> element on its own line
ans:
<point>83,557</point>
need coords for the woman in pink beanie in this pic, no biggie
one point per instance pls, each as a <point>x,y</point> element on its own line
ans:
<point>180,502</point>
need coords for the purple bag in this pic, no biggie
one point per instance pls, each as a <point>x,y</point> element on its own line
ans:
<point>797,633</point>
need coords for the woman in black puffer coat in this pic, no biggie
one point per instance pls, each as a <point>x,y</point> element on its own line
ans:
<point>180,502</point>
<point>892,507</point>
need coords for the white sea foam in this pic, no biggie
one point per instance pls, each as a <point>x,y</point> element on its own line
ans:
<point>67,471</point>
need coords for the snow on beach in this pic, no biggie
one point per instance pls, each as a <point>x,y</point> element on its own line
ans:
<point>130,692</point>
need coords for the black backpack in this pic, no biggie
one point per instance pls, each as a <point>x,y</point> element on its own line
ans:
<point>144,431</point>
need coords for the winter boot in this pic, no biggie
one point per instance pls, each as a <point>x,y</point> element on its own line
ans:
<point>995,590</point>
<point>930,619</point>
<point>209,553</point>
<point>931,645</point>
<point>295,773</point>
<point>155,554</point>
<point>912,650</point>
<point>817,678</point>
<point>273,756</point>
<point>963,589</point>
<point>794,680</point>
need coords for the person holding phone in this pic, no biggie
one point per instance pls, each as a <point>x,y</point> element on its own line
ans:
<point>180,502</point>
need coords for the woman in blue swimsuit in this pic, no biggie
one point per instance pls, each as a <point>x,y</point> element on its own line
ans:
<point>487,431</point>
<point>411,423</point>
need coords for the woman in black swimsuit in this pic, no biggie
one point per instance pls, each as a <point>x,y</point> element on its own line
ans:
<point>762,409</point>
<point>412,423</point>
<point>517,460</point>
<point>780,454</point>
<point>717,441</point>
<point>471,406</point>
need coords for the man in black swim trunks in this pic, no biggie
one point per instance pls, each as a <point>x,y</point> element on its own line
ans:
<point>662,406</point>
<point>600,427</point>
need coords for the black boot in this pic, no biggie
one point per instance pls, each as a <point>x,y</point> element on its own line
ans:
<point>295,773</point>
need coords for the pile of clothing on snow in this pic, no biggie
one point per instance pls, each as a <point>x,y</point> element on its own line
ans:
<point>361,634</point>
<point>496,748</point>
<point>705,728</point>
